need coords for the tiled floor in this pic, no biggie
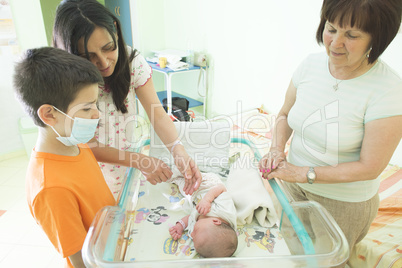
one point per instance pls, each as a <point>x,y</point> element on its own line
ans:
<point>22,242</point>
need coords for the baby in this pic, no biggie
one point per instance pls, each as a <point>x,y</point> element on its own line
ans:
<point>212,221</point>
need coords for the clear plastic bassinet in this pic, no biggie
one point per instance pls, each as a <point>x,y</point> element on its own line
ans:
<point>307,233</point>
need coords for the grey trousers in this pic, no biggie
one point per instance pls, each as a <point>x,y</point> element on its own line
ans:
<point>354,218</point>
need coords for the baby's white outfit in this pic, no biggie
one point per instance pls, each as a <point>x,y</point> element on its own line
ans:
<point>222,207</point>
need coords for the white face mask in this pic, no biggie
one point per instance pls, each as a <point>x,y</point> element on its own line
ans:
<point>82,132</point>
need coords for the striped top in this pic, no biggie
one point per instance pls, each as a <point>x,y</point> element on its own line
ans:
<point>329,125</point>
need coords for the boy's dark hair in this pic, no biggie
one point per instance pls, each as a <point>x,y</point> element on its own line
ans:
<point>379,18</point>
<point>51,76</point>
<point>76,19</point>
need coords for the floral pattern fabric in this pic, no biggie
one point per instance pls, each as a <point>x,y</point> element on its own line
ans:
<point>117,129</point>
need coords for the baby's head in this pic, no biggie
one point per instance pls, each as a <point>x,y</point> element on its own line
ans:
<point>214,238</point>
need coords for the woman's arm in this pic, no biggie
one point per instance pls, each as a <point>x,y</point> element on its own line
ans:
<point>282,131</point>
<point>166,130</point>
<point>154,170</point>
<point>161,122</point>
<point>381,137</point>
<point>280,135</point>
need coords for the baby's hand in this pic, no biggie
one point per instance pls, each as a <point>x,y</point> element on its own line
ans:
<point>203,207</point>
<point>176,231</point>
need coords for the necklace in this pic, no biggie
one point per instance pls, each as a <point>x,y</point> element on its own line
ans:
<point>336,86</point>
<point>337,82</point>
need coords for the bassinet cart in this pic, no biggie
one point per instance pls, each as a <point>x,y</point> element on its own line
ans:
<point>134,233</point>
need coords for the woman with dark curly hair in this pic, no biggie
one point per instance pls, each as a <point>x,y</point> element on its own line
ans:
<point>88,29</point>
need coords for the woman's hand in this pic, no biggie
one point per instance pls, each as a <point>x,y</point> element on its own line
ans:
<point>154,169</point>
<point>272,161</point>
<point>289,173</point>
<point>188,169</point>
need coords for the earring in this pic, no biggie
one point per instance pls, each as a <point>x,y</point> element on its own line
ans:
<point>368,53</point>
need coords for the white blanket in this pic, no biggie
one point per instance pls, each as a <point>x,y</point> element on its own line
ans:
<point>249,194</point>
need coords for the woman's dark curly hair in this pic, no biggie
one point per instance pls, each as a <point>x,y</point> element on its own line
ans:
<point>76,19</point>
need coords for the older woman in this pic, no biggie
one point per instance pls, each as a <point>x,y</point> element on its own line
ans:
<point>344,110</point>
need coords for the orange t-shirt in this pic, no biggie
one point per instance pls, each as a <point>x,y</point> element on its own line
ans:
<point>64,193</point>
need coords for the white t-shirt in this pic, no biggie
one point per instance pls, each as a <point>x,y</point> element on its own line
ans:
<point>117,129</point>
<point>329,125</point>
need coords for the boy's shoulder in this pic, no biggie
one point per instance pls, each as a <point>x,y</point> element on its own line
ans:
<point>46,170</point>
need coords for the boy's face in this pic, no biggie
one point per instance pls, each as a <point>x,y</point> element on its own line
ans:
<point>83,106</point>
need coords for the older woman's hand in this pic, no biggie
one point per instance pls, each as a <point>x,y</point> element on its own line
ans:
<point>188,169</point>
<point>271,161</point>
<point>289,173</point>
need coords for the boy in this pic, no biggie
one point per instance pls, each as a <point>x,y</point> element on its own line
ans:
<point>64,184</point>
<point>212,221</point>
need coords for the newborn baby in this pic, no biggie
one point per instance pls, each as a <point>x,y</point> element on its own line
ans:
<point>212,221</point>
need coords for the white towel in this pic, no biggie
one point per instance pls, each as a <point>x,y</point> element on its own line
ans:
<point>177,66</point>
<point>251,199</point>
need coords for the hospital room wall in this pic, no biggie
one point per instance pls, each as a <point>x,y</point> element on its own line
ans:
<point>29,28</point>
<point>254,47</point>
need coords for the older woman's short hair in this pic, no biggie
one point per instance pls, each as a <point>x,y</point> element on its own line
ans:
<point>379,18</point>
